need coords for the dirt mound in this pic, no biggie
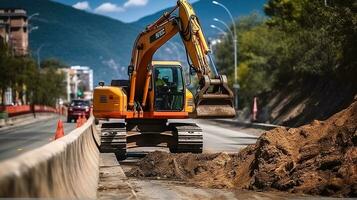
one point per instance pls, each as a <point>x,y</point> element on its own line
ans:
<point>319,158</point>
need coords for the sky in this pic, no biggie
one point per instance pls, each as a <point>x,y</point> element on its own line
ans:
<point>123,10</point>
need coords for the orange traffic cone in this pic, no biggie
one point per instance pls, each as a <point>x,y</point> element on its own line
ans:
<point>59,131</point>
<point>84,119</point>
<point>255,109</point>
<point>79,121</point>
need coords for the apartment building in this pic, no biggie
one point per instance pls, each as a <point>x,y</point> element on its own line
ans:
<point>14,30</point>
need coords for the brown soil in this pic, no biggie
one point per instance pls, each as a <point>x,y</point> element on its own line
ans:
<point>319,159</point>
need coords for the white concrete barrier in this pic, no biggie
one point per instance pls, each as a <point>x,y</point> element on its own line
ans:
<point>64,168</point>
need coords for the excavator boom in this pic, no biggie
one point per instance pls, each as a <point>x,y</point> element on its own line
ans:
<point>213,98</point>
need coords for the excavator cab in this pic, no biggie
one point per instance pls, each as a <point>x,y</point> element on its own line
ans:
<point>169,88</point>
<point>213,98</point>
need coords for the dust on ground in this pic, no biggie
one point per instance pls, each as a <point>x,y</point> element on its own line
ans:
<point>318,159</point>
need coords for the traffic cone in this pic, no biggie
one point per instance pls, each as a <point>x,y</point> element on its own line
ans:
<point>255,109</point>
<point>84,119</point>
<point>78,124</point>
<point>59,131</point>
<point>80,120</point>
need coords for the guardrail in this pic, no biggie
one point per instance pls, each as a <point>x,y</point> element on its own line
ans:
<point>64,168</point>
<point>10,115</point>
<point>25,109</point>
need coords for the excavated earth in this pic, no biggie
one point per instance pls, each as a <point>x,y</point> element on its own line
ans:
<point>318,159</point>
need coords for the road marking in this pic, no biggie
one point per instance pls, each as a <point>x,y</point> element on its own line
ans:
<point>19,149</point>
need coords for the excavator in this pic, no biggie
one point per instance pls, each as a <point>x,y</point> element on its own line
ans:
<point>156,92</point>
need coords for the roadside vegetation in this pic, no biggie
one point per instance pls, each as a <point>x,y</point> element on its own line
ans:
<point>42,84</point>
<point>299,43</point>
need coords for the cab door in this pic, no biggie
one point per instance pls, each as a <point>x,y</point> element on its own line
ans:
<point>169,88</point>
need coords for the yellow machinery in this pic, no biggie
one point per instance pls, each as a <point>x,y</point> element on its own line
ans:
<point>156,91</point>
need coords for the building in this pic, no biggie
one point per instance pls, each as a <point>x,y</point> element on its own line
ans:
<point>79,81</point>
<point>14,30</point>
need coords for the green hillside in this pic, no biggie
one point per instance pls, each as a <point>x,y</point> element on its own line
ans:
<point>78,37</point>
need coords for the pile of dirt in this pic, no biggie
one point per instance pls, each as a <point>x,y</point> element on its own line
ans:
<point>319,159</point>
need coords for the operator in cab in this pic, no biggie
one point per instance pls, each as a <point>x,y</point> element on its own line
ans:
<point>161,92</point>
<point>158,81</point>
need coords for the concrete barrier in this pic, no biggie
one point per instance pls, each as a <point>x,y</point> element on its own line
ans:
<point>64,168</point>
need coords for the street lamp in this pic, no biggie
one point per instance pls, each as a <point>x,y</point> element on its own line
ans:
<point>35,14</point>
<point>219,29</point>
<point>224,24</point>
<point>235,85</point>
<point>38,55</point>
<point>29,26</point>
<point>32,28</point>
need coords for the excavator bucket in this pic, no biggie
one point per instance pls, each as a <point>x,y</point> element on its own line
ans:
<point>214,99</point>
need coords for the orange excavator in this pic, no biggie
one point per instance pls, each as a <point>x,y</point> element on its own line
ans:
<point>156,91</point>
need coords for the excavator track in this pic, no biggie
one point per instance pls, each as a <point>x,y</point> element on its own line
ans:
<point>189,138</point>
<point>113,139</point>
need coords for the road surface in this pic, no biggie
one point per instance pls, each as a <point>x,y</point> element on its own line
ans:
<point>19,139</point>
<point>226,138</point>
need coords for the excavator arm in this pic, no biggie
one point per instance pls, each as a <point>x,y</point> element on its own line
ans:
<point>213,97</point>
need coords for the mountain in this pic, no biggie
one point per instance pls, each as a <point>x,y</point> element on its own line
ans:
<point>206,11</point>
<point>82,38</point>
<point>78,37</point>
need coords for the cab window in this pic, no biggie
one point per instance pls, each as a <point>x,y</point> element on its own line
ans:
<point>169,88</point>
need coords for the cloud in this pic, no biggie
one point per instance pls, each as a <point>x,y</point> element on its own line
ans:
<point>118,70</point>
<point>82,5</point>
<point>108,8</point>
<point>133,3</point>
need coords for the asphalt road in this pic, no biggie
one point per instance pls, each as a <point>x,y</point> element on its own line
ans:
<point>226,138</point>
<point>19,139</point>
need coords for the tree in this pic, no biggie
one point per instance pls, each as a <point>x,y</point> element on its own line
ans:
<point>41,86</point>
<point>301,40</point>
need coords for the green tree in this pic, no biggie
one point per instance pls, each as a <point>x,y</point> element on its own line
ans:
<point>41,86</point>
<point>300,41</point>
<point>50,84</point>
<point>6,71</point>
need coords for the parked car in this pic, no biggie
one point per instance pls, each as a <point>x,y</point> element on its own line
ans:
<point>77,108</point>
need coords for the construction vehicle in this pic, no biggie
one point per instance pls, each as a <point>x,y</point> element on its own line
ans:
<point>156,91</point>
